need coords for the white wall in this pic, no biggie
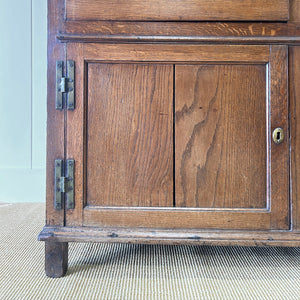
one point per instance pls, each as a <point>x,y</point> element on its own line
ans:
<point>23,66</point>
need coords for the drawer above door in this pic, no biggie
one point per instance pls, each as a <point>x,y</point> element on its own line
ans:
<point>179,10</point>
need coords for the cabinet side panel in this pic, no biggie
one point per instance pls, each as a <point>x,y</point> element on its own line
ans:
<point>220,136</point>
<point>294,77</point>
<point>55,118</point>
<point>129,136</point>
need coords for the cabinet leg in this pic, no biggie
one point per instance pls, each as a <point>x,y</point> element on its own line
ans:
<point>56,259</point>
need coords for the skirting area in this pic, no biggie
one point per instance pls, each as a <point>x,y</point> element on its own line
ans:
<point>114,271</point>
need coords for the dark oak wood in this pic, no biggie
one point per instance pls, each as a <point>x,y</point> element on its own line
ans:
<point>295,10</point>
<point>220,136</point>
<point>279,158</point>
<point>56,258</point>
<point>75,135</point>
<point>294,79</point>
<point>129,135</point>
<point>184,10</point>
<point>184,32</point>
<point>177,218</point>
<point>100,129</point>
<point>175,237</point>
<point>162,131</point>
<point>55,119</point>
<point>176,53</point>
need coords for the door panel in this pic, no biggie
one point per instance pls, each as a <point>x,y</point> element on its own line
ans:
<point>220,136</point>
<point>129,135</point>
<point>121,136</point>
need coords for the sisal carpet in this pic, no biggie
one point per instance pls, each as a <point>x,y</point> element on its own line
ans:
<point>114,271</point>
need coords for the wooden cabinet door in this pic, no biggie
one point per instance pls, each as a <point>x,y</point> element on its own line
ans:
<point>179,136</point>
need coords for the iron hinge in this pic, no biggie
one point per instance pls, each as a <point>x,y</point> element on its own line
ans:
<point>65,85</point>
<point>64,184</point>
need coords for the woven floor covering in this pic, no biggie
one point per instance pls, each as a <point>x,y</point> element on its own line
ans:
<point>114,271</point>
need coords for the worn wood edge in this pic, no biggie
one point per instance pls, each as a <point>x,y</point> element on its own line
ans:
<point>66,38</point>
<point>189,32</point>
<point>169,237</point>
<point>55,118</point>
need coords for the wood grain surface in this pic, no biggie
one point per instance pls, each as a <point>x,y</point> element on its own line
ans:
<point>177,53</point>
<point>175,218</point>
<point>184,10</point>
<point>295,10</point>
<point>294,79</point>
<point>220,136</point>
<point>55,118</point>
<point>259,238</point>
<point>129,136</point>
<point>279,156</point>
<point>75,135</point>
<point>187,32</point>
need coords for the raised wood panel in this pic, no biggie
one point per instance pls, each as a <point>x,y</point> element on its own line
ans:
<point>220,136</point>
<point>129,135</point>
<point>185,10</point>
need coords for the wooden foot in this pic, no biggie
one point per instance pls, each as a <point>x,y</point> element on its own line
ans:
<point>56,259</point>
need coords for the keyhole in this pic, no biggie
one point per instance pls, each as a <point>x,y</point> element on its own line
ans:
<point>278,136</point>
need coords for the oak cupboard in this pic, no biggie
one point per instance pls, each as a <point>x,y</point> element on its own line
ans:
<point>167,131</point>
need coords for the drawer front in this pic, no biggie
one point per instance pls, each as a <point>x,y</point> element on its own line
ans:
<point>178,10</point>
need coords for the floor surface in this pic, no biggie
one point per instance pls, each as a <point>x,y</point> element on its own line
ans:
<point>115,271</point>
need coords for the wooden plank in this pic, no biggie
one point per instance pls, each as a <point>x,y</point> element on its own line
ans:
<point>294,79</point>
<point>129,137</point>
<point>187,32</point>
<point>176,53</point>
<point>176,218</point>
<point>220,124</point>
<point>279,158</point>
<point>75,139</point>
<point>55,118</point>
<point>295,10</point>
<point>178,236</point>
<point>184,10</point>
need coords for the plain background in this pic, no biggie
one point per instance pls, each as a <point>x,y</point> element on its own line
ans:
<point>23,55</point>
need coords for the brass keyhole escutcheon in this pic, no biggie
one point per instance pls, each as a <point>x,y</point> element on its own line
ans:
<point>278,135</point>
